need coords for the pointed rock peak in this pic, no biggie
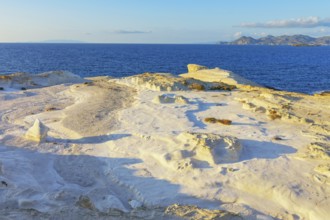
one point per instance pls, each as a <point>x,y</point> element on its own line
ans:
<point>37,132</point>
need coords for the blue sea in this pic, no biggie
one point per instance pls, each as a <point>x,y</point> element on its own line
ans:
<point>299,69</point>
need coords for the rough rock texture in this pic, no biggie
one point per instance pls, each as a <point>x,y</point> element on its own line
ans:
<point>166,98</point>
<point>324,169</point>
<point>290,107</point>
<point>156,82</point>
<point>168,82</point>
<point>37,132</point>
<point>194,213</point>
<point>214,148</point>
<point>317,150</point>
<point>195,67</point>
<point>297,110</point>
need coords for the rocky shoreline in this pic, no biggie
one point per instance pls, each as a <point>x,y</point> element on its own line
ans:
<point>207,144</point>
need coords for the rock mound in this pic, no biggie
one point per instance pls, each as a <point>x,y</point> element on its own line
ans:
<point>56,78</point>
<point>196,150</point>
<point>276,106</point>
<point>218,75</point>
<point>213,148</point>
<point>166,98</point>
<point>195,67</point>
<point>37,132</point>
<point>155,82</point>
<point>27,80</point>
<point>169,82</point>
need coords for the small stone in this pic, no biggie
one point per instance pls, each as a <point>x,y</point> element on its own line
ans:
<point>221,121</point>
<point>48,109</point>
<point>230,169</point>
<point>210,120</point>
<point>277,138</point>
<point>224,121</point>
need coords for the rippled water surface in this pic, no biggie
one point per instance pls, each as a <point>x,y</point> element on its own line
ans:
<point>301,69</point>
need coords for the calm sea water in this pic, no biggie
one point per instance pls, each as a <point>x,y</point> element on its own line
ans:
<point>300,69</point>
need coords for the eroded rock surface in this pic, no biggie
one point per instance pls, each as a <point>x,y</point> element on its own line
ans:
<point>27,80</point>
<point>196,213</point>
<point>37,132</point>
<point>213,148</point>
<point>195,67</point>
<point>218,75</point>
<point>168,82</point>
<point>166,98</point>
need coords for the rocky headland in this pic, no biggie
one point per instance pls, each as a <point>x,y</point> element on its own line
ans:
<point>207,144</point>
<point>294,40</point>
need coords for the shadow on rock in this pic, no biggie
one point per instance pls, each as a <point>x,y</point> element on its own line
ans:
<point>90,140</point>
<point>264,150</point>
<point>47,185</point>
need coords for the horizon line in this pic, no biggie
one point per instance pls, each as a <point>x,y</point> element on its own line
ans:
<point>98,43</point>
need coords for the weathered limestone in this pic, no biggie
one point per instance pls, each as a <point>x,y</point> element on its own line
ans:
<point>165,98</point>
<point>194,68</point>
<point>37,132</point>
<point>317,150</point>
<point>194,212</point>
<point>26,80</point>
<point>217,75</point>
<point>168,82</point>
<point>214,148</point>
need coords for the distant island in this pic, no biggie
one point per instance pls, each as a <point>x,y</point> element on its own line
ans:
<point>62,42</point>
<point>294,40</point>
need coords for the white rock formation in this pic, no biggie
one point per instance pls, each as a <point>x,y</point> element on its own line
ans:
<point>55,78</point>
<point>27,80</point>
<point>37,132</point>
<point>214,148</point>
<point>155,82</point>
<point>195,67</point>
<point>218,75</point>
<point>166,98</point>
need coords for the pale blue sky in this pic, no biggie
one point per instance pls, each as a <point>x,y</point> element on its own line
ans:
<point>159,21</point>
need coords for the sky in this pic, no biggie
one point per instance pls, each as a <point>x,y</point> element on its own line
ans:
<point>159,21</point>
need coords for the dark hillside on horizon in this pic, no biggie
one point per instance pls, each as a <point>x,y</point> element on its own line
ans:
<point>294,40</point>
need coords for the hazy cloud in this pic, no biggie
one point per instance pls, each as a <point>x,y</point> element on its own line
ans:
<point>319,32</point>
<point>309,22</point>
<point>261,34</point>
<point>132,32</point>
<point>238,34</point>
<point>323,30</point>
